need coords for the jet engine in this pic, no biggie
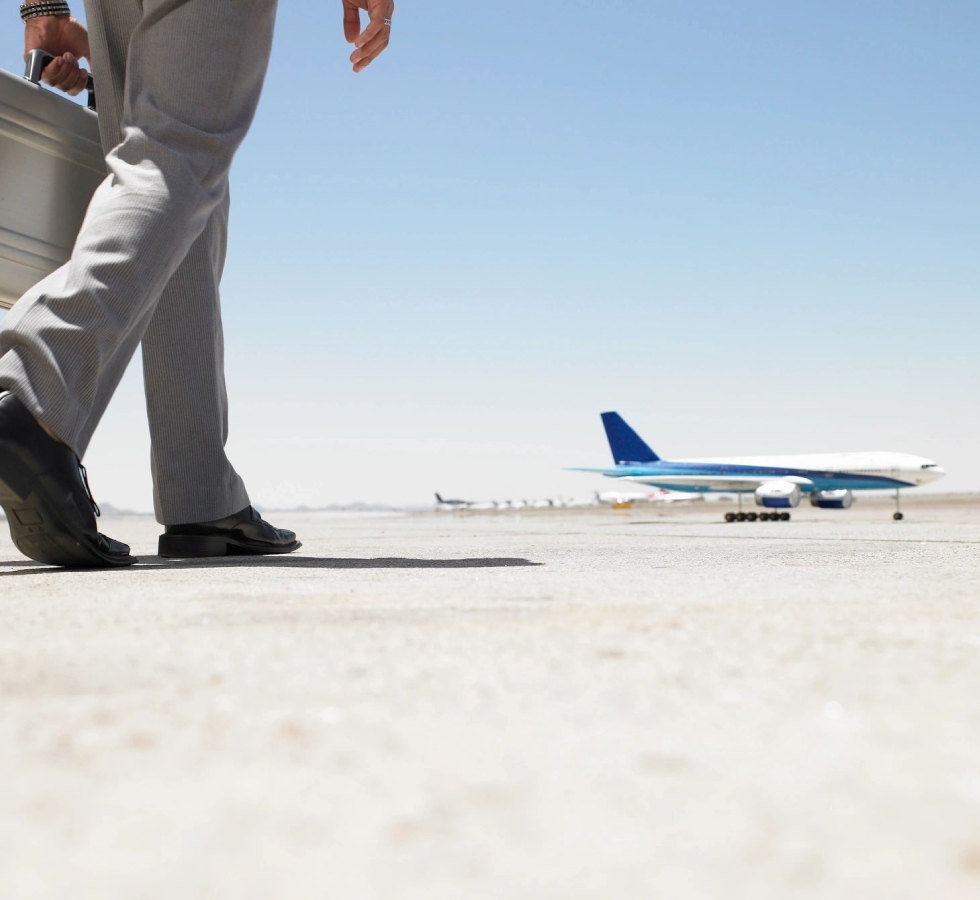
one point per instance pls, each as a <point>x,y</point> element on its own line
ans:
<point>832,499</point>
<point>777,494</point>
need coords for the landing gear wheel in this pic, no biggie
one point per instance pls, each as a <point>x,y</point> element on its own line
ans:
<point>729,517</point>
<point>764,517</point>
<point>751,516</point>
<point>784,517</point>
<point>898,516</point>
<point>740,517</point>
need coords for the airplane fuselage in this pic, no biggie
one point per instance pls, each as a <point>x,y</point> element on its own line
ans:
<point>874,470</point>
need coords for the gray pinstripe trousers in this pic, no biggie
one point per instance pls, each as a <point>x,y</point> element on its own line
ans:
<point>178,81</point>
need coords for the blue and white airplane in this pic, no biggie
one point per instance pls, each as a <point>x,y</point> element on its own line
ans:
<point>778,482</point>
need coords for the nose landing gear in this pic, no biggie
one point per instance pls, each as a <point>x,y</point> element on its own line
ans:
<point>898,515</point>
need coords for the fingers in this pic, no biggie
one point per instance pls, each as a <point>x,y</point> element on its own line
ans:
<point>65,74</point>
<point>370,50</point>
<point>375,37</point>
<point>352,21</point>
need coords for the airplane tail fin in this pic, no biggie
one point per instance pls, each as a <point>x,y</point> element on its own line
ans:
<point>438,498</point>
<point>625,443</point>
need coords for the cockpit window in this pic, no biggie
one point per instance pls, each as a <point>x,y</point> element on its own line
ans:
<point>930,466</point>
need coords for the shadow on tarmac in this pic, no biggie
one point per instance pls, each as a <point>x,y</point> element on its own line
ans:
<point>27,567</point>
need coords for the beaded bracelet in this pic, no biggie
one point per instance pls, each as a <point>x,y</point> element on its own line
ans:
<point>44,8</point>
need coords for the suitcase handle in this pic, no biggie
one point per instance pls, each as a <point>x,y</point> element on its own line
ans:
<point>38,59</point>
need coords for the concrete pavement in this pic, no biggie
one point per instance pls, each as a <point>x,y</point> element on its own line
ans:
<point>635,704</point>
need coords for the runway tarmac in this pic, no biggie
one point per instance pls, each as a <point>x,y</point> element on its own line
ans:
<point>594,704</point>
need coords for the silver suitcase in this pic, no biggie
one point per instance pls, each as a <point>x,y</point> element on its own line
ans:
<point>51,162</point>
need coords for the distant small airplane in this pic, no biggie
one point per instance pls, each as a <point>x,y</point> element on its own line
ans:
<point>777,482</point>
<point>453,503</point>
<point>538,504</point>
<point>624,498</point>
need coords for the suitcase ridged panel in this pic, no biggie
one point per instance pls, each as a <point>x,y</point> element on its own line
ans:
<point>50,164</point>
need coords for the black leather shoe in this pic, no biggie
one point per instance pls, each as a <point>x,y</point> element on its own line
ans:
<point>44,493</point>
<point>244,532</point>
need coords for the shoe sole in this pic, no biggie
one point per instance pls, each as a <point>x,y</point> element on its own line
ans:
<point>38,529</point>
<point>194,546</point>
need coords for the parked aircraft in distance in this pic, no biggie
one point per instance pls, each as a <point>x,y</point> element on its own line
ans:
<point>444,503</point>
<point>453,503</point>
<point>777,482</point>
<point>623,499</point>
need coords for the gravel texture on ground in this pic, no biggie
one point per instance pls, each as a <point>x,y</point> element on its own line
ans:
<point>588,704</point>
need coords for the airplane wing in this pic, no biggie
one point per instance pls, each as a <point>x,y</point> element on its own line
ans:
<point>715,482</point>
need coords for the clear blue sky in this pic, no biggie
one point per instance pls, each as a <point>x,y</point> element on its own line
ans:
<point>751,228</point>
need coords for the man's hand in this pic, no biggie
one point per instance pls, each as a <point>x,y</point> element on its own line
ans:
<point>66,39</point>
<point>374,38</point>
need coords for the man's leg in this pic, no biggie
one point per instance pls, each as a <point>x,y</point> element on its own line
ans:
<point>183,350</point>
